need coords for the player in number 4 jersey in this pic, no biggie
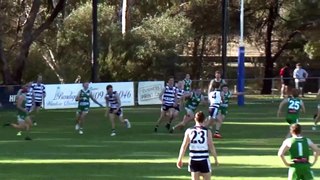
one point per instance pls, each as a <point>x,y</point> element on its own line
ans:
<point>294,106</point>
<point>298,147</point>
<point>199,140</point>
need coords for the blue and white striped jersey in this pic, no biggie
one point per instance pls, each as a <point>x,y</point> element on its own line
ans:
<point>39,91</point>
<point>198,148</point>
<point>112,100</point>
<point>169,96</point>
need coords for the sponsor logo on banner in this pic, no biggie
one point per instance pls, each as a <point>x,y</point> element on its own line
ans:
<point>8,96</point>
<point>149,91</point>
<point>60,96</point>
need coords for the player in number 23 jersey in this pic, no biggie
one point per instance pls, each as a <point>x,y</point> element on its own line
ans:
<point>199,140</point>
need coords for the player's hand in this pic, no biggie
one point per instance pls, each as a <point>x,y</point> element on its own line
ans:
<point>216,163</point>
<point>278,114</point>
<point>179,164</point>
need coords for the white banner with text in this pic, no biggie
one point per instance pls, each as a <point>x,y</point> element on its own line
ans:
<point>61,96</point>
<point>149,91</point>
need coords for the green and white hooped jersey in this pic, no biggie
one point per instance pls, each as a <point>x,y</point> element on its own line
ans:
<point>187,84</point>
<point>294,106</point>
<point>193,102</point>
<point>84,98</point>
<point>226,98</point>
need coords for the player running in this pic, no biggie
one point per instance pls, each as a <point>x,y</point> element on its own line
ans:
<point>317,116</point>
<point>298,147</point>
<point>294,106</point>
<point>83,99</point>
<point>29,100</point>
<point>187,83</point>
<point>227,95</point>
<point>168,96</point>
<point>24,121</point>
<point>114,103</point>
<point>180,95</point>
<point>193,101</point>
<point>39,91</point>
<point>215,98</point>
<point>199,140</point>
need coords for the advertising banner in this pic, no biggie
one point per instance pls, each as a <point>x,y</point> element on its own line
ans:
<point>8,96</point>
<point>61,96</point>
<point>149,91</point>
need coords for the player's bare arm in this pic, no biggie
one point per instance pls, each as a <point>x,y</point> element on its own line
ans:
<point>19,104</point>
<point>316,152</point>
<point>212,149</point>
<point>183,148</point>
<point>118,101</point>
<point>161,94</point>
<point>303,108</point>
<point>210,86</point>
<point>94,100</point>
<point>78,96</point>
<point>281,153</point>
<point>283,102</point>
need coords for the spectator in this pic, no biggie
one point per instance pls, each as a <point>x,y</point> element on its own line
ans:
<point>285,80</point>
<point>300,75</point>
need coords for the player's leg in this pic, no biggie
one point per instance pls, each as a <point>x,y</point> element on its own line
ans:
<point>163,113</point>
<point>282,91</point>
<point>126,122</point>
<point>175,115</point>
<point>186,119</point>
<point>113,125</point>
<point>81,120</point>
<point>78,116</point>
<point>37,110</point>
<point>28,125</point>
<point>316,118</point>
<point>195,175</point>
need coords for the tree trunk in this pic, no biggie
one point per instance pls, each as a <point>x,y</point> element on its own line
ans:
<point>269,60</point>
<point>203,48</point>
<point>5,71</point>
<point>195,59</point>
<point>29,35</point>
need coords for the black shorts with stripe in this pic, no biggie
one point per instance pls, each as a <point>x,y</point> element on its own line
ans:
<point>202,166</point>
<point>119,113</point>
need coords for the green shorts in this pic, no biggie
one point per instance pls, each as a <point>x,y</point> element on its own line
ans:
<point>223,110</point>
<point>292,118</point>
<point>300,171</point>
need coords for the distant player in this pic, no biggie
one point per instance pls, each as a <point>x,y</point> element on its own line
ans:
<point>39,91</point>
<point>199,140</point>
<point>299,149</point>
<point>217,79</point>
<point>227,95</point>
<point>168,97</point>
<point>317,116</point>
<point>193,101</point>
<point>114,103</point>
<point>180,95</point>
<point>24,122</point>
<point>83,99</point>
<point>215,98</point>
<point>187,83</point>
<point>294,106</point>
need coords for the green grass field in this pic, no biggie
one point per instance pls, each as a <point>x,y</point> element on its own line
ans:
<point>251,138</point>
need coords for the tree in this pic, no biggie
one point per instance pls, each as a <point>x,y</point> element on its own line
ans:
<point>36,17</point>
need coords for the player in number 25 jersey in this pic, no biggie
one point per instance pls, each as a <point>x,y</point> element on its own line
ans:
<point>294,106</point>
<point>298,147</point>
<point>200,144</point>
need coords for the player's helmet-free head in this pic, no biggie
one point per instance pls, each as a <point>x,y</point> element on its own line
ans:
<point>295,129</point>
